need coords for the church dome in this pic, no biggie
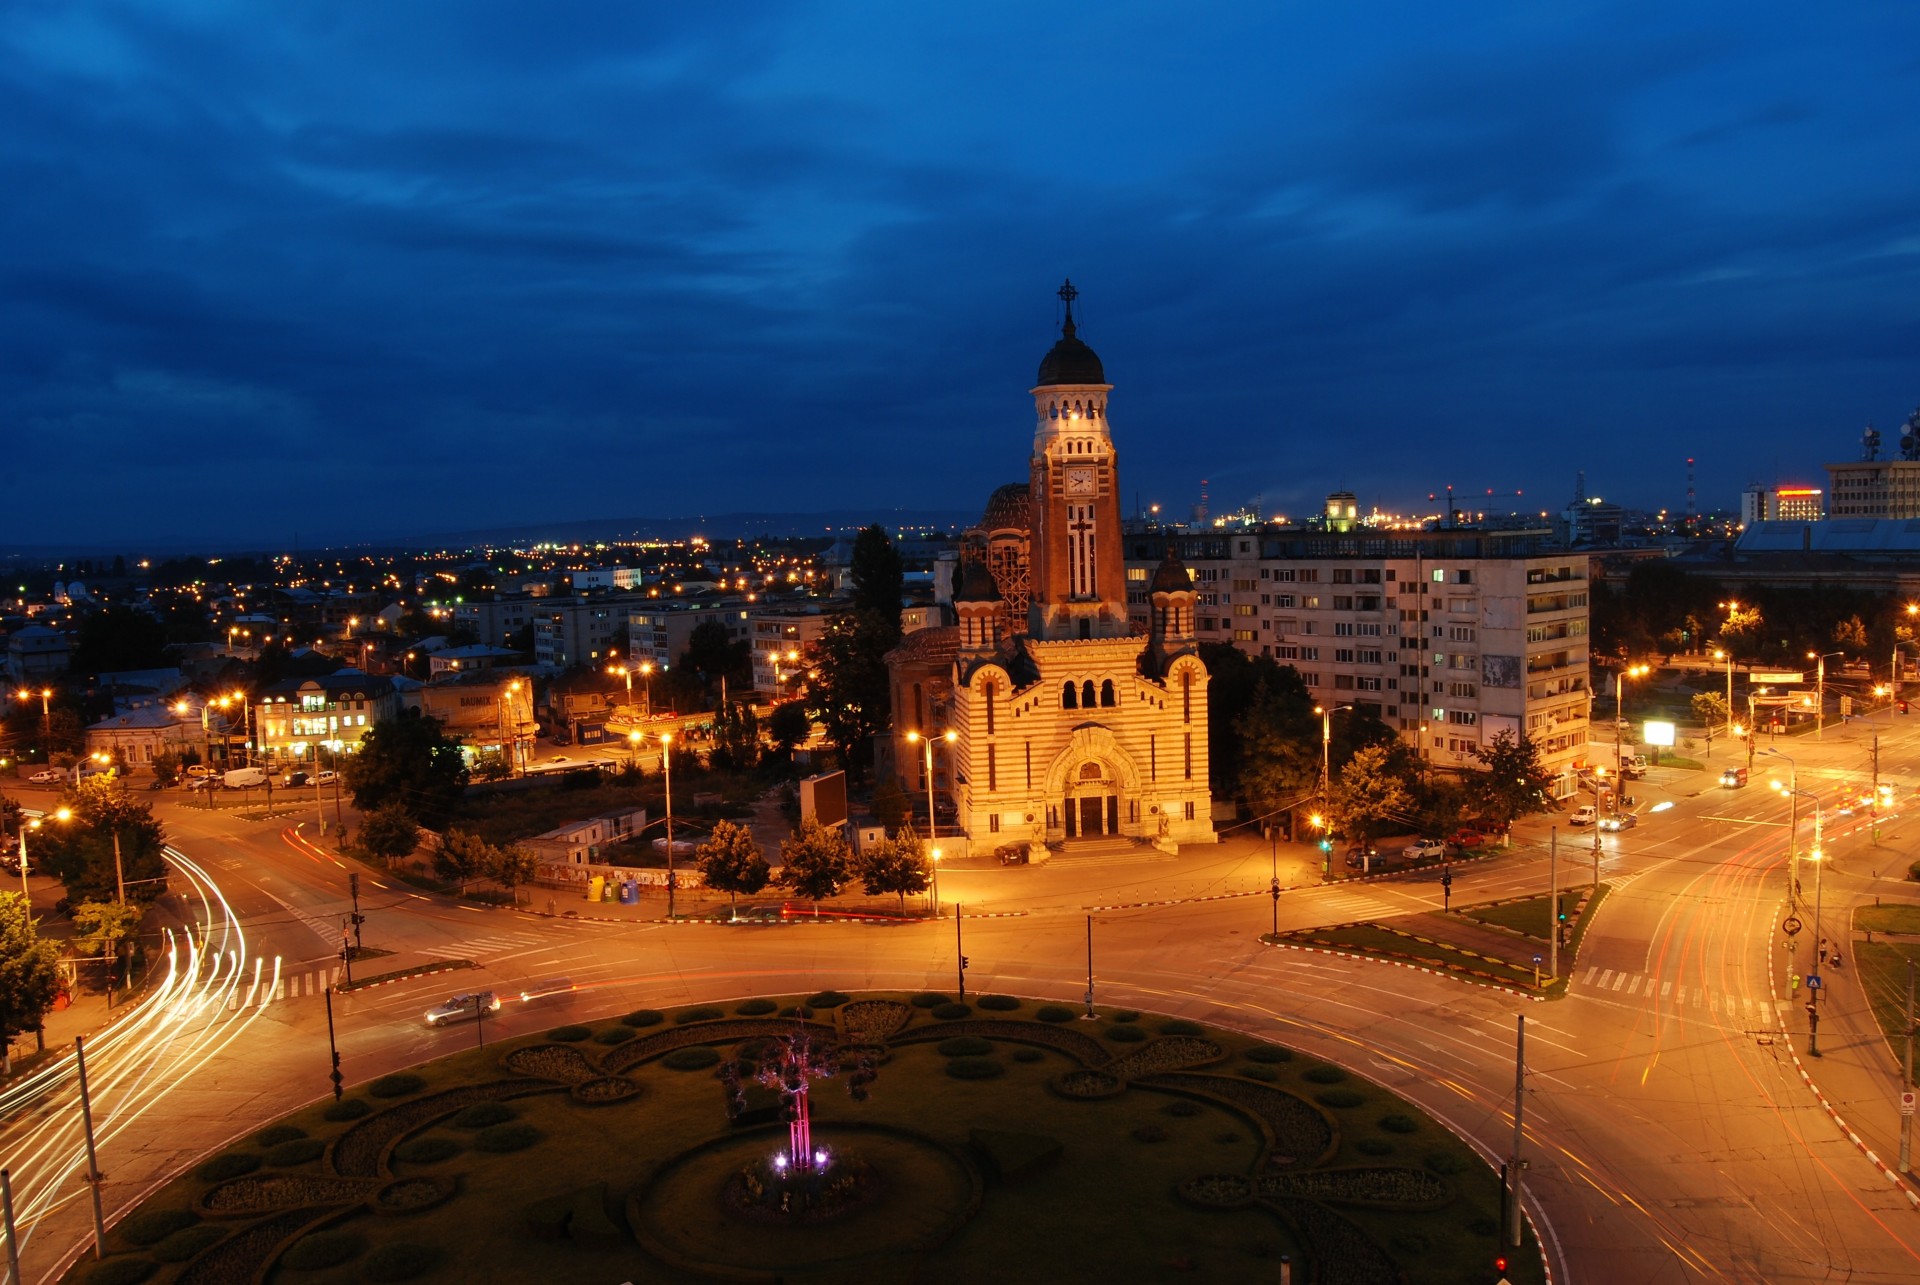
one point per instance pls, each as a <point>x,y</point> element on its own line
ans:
<point>1009,508</point>
<point>1171,576</point>
<point>976,583</point>
<point>1070,361</point>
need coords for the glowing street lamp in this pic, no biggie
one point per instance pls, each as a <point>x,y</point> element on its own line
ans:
<point>933,823</point>
<point>46,716</point>
<point>1728,657</point>
<point>1820,690</point>
<point>1620,677</point>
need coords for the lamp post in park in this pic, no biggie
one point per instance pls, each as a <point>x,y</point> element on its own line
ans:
<point>1620,677</point>
<point>1727,656</point>
<point>933,824</point>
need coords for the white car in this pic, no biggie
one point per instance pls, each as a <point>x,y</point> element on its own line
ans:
<point>1622,821</point>
<point>47,776</point>
<point>461,1008</point>
<point>1424,848</point>
<point>326,776</point>
<point>1584,815</point>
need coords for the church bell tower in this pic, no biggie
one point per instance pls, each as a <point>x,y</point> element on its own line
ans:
<point>1079,579</point>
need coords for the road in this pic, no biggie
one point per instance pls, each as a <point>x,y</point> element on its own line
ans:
<point>1669,1132</point>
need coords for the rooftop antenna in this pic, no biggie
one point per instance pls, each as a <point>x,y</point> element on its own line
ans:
<point>1693,513</point>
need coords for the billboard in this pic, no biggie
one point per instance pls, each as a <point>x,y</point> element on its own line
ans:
<point>1660,734</point>
<point>824,798</point>
<point>1771,679</point>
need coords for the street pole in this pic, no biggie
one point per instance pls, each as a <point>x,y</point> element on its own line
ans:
<point>93,1178</point>
<point>1089,1013</point>
<point>1820,700</point>
<point>1819,932</point>
<point>933,825</point>
<point>353,889</point>
<point>1553,902</point>
<point>1519,1101</point>
<point>1273,848</point>
<point>13,1235</point>
<point>333,1050</point>
<point>119,873</point>
<point>346,953</point>
<point>666,769</point>
<point>959,951</point>
<point>1906,1082</point>
<point>1596,858</point>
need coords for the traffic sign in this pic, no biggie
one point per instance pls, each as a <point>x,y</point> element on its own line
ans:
<point>1906,1102</point>
<point>1813,981</point>
<point>1790,926</point>
<point>1537,959</point>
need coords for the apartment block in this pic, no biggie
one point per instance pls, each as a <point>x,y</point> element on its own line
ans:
<point>1451,636</point>
<point>658,635</point>
<point>780,636</point>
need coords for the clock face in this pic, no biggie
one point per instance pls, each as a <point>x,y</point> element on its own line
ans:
<point>1079,481</point>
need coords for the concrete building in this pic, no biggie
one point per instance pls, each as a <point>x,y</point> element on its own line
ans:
<point>150,729</point>
<point>293,719</point>
<point>607,578</point>
<point>582,631</point>
<point>1782,503</point>
<point>36,651</point>
<point>1450,636</point>
<point>780,636</point>
<point>496,622</point>
<point>658,634</point>
<point>487,713</point>
<point>1874,489</point>
<point>451,662</point>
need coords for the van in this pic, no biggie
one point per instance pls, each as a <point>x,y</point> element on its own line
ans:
<point>245,778</point>
<point>1734,778</point>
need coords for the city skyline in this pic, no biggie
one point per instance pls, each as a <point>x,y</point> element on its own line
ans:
<point>357,277</point>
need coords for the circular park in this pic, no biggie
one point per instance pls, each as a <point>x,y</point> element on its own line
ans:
<point>827,1138</point>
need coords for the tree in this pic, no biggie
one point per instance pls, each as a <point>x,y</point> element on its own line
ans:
<point>877,577</point>
<point>736,738</point>
<point>491,766</point>
<point>731,862</point>
<point>166,767</point>
<point>894,865</point>
<point>889,804</point>
<point>1371,789</point>
<point>462,856</point>
<point>1277,740</point>
<point>389,833</point>
<point>80,851</point>
<point>1711,709</point>
<point>816,861</point>
<point>713,654</point>
<point>511,866</point>
<point>119,638</point>
<point>788,726</point>
<point>29,975</point>
<point>408,762</point>
<point>1514,783</point>
<point>848,688</point>
<point>103,926</point>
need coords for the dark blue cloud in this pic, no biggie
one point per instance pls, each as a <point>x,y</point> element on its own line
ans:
<point>360,271</point>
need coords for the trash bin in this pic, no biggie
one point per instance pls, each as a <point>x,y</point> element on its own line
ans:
<point>629,892</point>
<point>608,892</point>
<point>595,887</point>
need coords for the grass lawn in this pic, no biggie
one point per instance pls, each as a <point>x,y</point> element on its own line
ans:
<point>1373,939</point>
<point>1883,972</point>
<point>1107,1208</point>
<point>1887,919</point>
<point>1528,917</point>
<point>510,816</point>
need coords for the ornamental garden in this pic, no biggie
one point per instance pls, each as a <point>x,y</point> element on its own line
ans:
<point>868,1138</point>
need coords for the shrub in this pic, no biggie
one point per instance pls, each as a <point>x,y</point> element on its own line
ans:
<point>755,1007</point>
<point>800,1011</point>
<point>703,1013</point>
<point>1124,1015</point>
<point>929,999</point>
<point>1181,1026</point>
<point>1913,871</point>
<point>1339,1098</point>
<point>1027,1055</point>
<point>963,1046</point>
<point>295,1151</point>
<point>482,1114</point>
<point>151,1226</point>
<point>1125,1034</point>
<point>1149,1133</point>
<point>697,1058</point>
<point>187,1242</point>
<point>396,1086</point>
<point>998,1003</point>
<point>426,1151</point>
<point>615,1035</point>
<point>346,1109</point>
<point>399,1261</point>
<point>1183,1107</point>
<point>1410,1242</point>
<point>1374,1147</point>
<point>1269,1053</point>
<point>233,1164</point>
<point>119,1271</point>
<point>952,1012</point>
<point>323,1249</point>
<point>644,1017</point>
<point>1398,1123</point>
<point>974,1068</point>
<point>569,1034</point>
<point>517,1136</point>
<point>275,1134</point>
<point>1055,1013</point>
<point>828,999</point>
<point>1264,1074</point>
<point>1324,1074</point>
<point>1445,1163</point>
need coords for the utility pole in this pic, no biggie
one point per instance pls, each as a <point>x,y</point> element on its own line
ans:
<point>1515,1164</point>
<point>1553,902</point>
<point>353,888</point>
<point>1906,1082</point>
<point>1089,1013</point>
<point>959,950</point>
<point>94,1177</point>
<point>346,953</point>
<point>119,872</point>
<point>13,1235</point>
<point>1596,858</point>
<point>333,1049</point>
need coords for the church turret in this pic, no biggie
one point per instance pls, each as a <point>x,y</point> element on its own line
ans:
<point>1173,599</point>
<point>1078,573</point>
<point>978,604</point>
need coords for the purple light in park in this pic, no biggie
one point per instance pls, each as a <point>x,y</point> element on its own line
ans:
<point>780,1162</point>
<point>820,1159</point>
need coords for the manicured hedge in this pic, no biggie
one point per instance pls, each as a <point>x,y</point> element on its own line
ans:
<point>347,1109</point>
<point>1055,1013</point>
<point>233,1164</point>
<point>644,1017</point>
<point>323,1249</point>
<point>929,999</point>
<point>275,1134</point>
<point>1027,1055</point>
<point>399,1261</point>
<point>1264,1074</point>
<point>189,1241</point>
<point>151,1226</point>
<point>828,999</point>
<point>1374,1147</point>
<point>1124,1015</point>
<point>569,1034</point>
<point>963,1046</point>
<point>517,1136</point>
<point>426,1151</point>
<point>1126,1034</point>
<point>1324,1074</point>
<point>1267,1053</point>
<point>755,1007</point>
<point>295,1151</point>
<point>396,1086</point>
<point>482,1114</point>
<point>1181,1026</point>
<point>1445,1163</point>
<point>696,1058</point>
<point>119,1271</point>
<point>998,1003</point>
<point>615,1035</point>
<point>952,1012</point>
<point>1340,1098</point>
<point>704,1013</point>
<point>1398,1123</point>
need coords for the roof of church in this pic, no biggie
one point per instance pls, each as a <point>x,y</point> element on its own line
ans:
<point>1171,577</point>
<point>939,643</point>
<point>1070,361</point>
<point>1009,508</point>
<point>976,583</point>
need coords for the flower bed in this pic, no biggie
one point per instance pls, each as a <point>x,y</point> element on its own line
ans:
<point>267,1193</point>
<point>1169,1053</point>
<point>1087,1085</point>
<point>359,1151</point>
<point>873,1021</point>
<point>238,1259</point>
<point>551,1062</point>
<point>1372,1186</point>
<point>731,1030</point>
<point>411,1195</point>
<point>1218,1191</point>
<point>1303,1135</point>
<point>603,1090</point>
<point>1081,1048</point>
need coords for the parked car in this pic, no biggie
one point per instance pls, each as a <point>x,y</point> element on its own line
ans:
<point>461,1008</point>
<point>327,776</point>
<point>47,776</point>
<point>1421,849</point>
<point>1359,857</point>
<point>203,783</point>
<point>1585,815</point>
<point>245,778</point>
<point>197,770</point>
<point>294,778</point>
<point>1619,821</point>
<point>1466,838</point>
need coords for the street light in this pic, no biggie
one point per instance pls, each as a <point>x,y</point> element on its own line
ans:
<point>1620,677</point>
<point>1819,937</point>
<point>1792,790</point>
<point>933,824</point>
<point>666,768</point>
<point>1326,750</point>
<point>1728,657</point>
<point>46,717</point>
<point>511,738</point>
<point>1820,692</point>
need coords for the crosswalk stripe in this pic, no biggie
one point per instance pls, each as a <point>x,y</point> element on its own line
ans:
<point>1634,986</point>
<point>1616,982</point>
<point>1588,975</point>
<point>1664,988</point>
<point>1680,996</point>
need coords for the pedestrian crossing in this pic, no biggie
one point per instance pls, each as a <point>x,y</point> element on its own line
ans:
<point>492,945</point>
<point>1620,984</point>
<point>1345,907</point>
<point>296,985</point>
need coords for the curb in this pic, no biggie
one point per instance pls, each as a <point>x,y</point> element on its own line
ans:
<point>405,975</point>
<point>1904,1187</point>
<point>1418,968</point>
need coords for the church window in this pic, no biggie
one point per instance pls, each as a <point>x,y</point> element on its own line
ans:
<point>986,692</point>
<point>993,823</point>
<point>1189,809</point>
<point>993,772</point>
<point>1189,750</point>
<point>1029,765</point>
<point>1106,693</point>
<point>1069,696</point>
<point>1186,696</point>
<point>1153,757</point>
<point>1086,695</point>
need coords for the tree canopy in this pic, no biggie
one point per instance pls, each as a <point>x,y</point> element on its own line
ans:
<point>731,862</point>
<point>119,638</point>
<point>816,861</point>
<point>79,851</point>
<point>389,833</point>
<point>1371,794</point>
<point>407,762</point>
<point>1513,783</point>
<point>897,866</point>
<point>29,973</point>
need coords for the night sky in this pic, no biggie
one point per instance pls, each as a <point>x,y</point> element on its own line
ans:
<point>363,270</point>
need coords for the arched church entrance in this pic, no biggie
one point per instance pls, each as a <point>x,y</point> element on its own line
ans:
<point>1092,804</point>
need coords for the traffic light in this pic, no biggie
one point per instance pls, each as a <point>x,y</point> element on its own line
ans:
<point>1500,1264</point>
<point>1903,707</point>
<point>963,963</point>
<point>1326,845</point>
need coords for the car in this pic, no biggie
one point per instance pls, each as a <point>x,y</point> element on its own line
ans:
<point>197,770</point>
<point>156,784</point>
<point>1420,849</point>
<point>461,1008</point>
<point>1620,821</point>
<point>556,758</point>
<point>203,783</point>
<point>327,776</point>
<point>294,778</point>
<point>1360,858</point>
<point>1734,778</point>
<point>47,776</point>
<point>1466,838</point>
<point>1629,772</point>
<point>1586,815</point>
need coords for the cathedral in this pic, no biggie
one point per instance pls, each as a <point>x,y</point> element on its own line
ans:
<point>1068,725</point>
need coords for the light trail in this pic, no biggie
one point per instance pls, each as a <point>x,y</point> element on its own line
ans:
<point>209,994</point>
